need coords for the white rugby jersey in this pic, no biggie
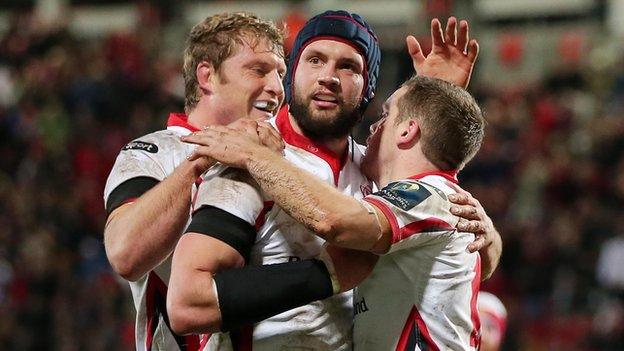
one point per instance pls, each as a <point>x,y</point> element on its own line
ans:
<point>322,325</point>
<point>140,165</point>
<point>422,294</point>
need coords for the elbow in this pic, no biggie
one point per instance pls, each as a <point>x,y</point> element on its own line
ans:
<point>336,230</point>
<point>185,319</point>
<point>124,264</point>
<point>328,229</point>
<point>179,321</point>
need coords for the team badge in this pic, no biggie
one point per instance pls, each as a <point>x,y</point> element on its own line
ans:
<point>404,195</point>
<point>141,145</point>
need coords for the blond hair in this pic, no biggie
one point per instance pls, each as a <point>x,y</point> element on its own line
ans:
<point>214,39</point>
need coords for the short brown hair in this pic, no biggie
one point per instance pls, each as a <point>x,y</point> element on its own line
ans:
<point>214,40</point>
<point>452,125</point>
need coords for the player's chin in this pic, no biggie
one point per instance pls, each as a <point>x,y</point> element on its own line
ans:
<point>325,114</point>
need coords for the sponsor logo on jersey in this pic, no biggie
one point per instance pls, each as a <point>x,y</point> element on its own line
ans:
<point>359,307</point>
<point>141,145</point>
<point>404,195</point>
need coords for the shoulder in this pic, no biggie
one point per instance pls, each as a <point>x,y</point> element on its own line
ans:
<point>421,198</point>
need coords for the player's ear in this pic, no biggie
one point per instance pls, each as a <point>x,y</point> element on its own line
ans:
<point>205,74</point>
<point>408,133</point>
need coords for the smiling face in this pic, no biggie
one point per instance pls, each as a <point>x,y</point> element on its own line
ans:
<point>381,144</point>
<point>249,83</point>
<point>327,89</point>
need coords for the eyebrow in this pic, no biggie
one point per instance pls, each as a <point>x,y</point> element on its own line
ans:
<point>265,64</point>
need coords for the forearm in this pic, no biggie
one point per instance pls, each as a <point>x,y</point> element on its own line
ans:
<point>192,304</point>
<point>140,235</point>
<point>337,218</point>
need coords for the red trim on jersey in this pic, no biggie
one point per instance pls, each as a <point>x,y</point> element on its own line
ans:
<point>399,234</point>
<point>155,300</point>
<point>242,339</point>
<point>204,341</point>
<point>475,336</point>
<point>424,225</point>
<point>335,162</point>
<point>180,120</point>
<point>268,205</point>
<point>450,175</point>
<point>394,224</point>
<point>415,324</point>
<point>154,286</point>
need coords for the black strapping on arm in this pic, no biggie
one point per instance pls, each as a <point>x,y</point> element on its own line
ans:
<point>253,293</point>
<point>224,226</point>
<point>130,189</point>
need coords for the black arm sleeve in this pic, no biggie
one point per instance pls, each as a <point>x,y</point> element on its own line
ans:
<point>130,189</point>
<point>251,294</point>
<point>224,226</point>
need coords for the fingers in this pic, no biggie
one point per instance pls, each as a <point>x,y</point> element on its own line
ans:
<point>462,199</point>
<point>451,31</point>
<point>201,151</point>
<point>414,50</point>
<point>437,38</point>
<point>270,139</point>
<point>470,226</point>
<point>463,37</point>
<point>473,50</point>
<point>273,132</point>
<point>467,212</point>
<point>477,244</point>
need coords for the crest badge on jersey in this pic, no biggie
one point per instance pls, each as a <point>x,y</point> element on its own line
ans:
<point>141,145</point>
<point>404,195</point>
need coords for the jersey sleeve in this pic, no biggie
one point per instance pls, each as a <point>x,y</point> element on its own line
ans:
<point>138,167</point>
<point>226,207</point>
<point>418,213</point>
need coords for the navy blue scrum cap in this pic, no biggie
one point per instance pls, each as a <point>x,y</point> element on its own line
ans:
<point>345,27</point>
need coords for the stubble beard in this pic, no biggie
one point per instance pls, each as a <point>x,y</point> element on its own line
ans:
<point>322,129</point>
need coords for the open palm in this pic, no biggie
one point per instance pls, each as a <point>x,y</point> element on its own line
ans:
<point>452,55</point>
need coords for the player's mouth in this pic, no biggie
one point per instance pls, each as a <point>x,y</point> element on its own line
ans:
<point>325,100</point>
<point>267,106</point>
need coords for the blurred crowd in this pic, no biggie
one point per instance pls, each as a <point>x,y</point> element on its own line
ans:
<point>550,174</point>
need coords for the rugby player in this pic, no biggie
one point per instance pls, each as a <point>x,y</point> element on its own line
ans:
<point>424,286</point>
<point>233,68</point>
<point>333,73</point>
<point>493,315</point>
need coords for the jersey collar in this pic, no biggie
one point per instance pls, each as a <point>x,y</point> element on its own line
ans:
<point>180,120</point>
<point>291,137</point>
<point>449,175</point>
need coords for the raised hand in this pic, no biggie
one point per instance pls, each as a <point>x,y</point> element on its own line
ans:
<point>452,55</point>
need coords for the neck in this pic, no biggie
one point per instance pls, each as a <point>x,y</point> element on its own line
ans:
<point>406,164</point>
<point>201,117</point>
<point>337,145</point>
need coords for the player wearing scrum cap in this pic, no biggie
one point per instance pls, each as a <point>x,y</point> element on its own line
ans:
<point>334,68</point>
<point>422,288</point>
<point>233,67</point>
